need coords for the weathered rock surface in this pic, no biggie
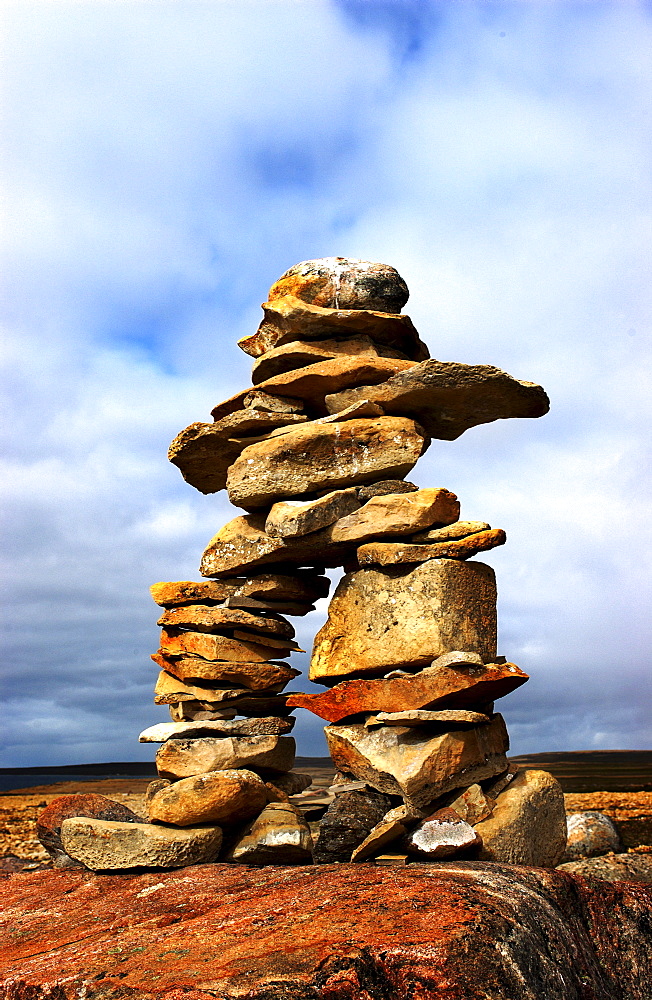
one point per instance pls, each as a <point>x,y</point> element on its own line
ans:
<point>391,827</point>
<point>448,398</point>
<point>257,400</point>
<point>298,354</point>
<point>301,587</point>
<point>169,690</point>
<point>343,283</point>
<point>253,676</point>
<point>278,836</point>
<point>451,532</point>
<point>385,486</point>
<point>103,845</point>
<point>447,719</point>
<point>443,834</point>
<point>312,383</point>
<point>179,758</point>
<point>209,618</point>
<point>460,930</point>
<point>415,764</point>
<point>631,812</point>
<point>379,619</point>
<point>89,805</point>
<point>292,783</point>
<point>612,867</point>
<point>252,705</point>
<point>194,711</point>
<point>323,457</point>
<point>442,687</point>
<point>472,804</point>
<point>397,514</point>
<point>347,822</point>
<point>175,643</point>
<point>203,452</point>
<point>291,518</point>
<point>528,823</point>
<point>163,731</point>
<point>288,319</point>
<point>221,797</point>
<point>590,834</point>
<point>398,553</point>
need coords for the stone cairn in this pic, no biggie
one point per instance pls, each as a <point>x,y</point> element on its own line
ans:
<point>345,400</point>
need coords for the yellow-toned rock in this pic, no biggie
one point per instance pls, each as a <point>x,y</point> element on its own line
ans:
<point>324,457</point>
<point>400,553</point>
<point>343,283</point>
<point>292,518</point>
<point>300,354</point>
<point>222,797</point>
<point>397,514</point>
<point>253,676</point>
<point>278,836</point>
<point>528,822</point>
<point>181,758</point>
<point>175,643</point>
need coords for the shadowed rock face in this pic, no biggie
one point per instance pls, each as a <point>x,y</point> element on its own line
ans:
<point>455,931</point>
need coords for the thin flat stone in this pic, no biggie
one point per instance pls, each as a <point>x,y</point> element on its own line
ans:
<point>448,398</point>
<point>210,618</point>
<point>279,607</point>
<point>257,400</point>
<point>392,826</point>
<point>399,553</point>
<point>193,711</point>
<point>300,587</point>
<point>396,514</point>
<point>103,845</point>
<point>451,532</point>
<point>169,690</point>
<point>163,731</point>
<point>299,354</point>
<point>423,717</point>
<point>384,487</point>
<point>287,319</point>
<point>175,643</point>
<point>253,676</point>
<point>446,688</point>
<point>285,646</point>
<point>314,382</point>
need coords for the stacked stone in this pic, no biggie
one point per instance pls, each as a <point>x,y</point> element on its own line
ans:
<point>345,401</point>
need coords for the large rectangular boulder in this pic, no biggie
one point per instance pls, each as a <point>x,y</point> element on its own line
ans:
<point>384,618</point>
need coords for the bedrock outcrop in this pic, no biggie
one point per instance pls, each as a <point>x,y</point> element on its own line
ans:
<point>455,931</point>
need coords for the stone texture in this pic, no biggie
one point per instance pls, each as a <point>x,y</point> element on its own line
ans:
<point>163,731</point>
<point>612,867</point>
<point>301,587</point>
<point>288,319</point>
<point>528,824</point>
<point>221,797</point>
<point>323,457</point>
<point>280,607</point>
<point>396,514</point>
<point>379,619</point>
<point>277,647</point>
<point>169,690</point>
<point>385,486</point>
<point>448,398</point>
<point>257,400</point>
<point>631,812</point>
<point>90,806</point>
<point>175,643</point>
<point>179,758</point>
<point>449,931</point>
<point>416,765</point>
<point>103,845</point>
<point>278,836</point>
<point>193,711</point>
<point>249,704</point>
<point>314,382</point>
<point>439,688</point>
<point>292,783</point>
<point>210,618</point>
<point>447,719</point>
<point>253,676</point>
<point>291,518</point>
<point>203,452</point>
<point>451,532</point>
<point>243,545</point>
<point>443,834</point>
<point>399,553</point>
<point>347,822</point>
<point>472,804</point>
<point>590,834</point>
<point>392,826</point>
<point>343,283</point>
<point>298,354</point>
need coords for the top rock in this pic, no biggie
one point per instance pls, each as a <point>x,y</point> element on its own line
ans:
<point>343,283</point>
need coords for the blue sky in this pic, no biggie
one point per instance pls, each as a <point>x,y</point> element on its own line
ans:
<point>164,163</point>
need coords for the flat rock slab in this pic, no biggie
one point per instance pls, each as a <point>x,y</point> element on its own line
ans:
<point>450,931</point>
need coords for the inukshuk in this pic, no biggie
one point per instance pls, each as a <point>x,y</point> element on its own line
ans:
<point>345,400</point>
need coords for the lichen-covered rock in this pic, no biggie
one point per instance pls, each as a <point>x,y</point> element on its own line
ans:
<point>102,845</point>
<point>528,822</point>
<point>590,834</point>
<point>399,553</point>
<point>343,283</point>
<point>612,867</point>
<point>454,930</point>
<point>347,822</point>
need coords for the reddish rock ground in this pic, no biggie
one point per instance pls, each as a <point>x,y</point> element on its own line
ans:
<point>465,931</point>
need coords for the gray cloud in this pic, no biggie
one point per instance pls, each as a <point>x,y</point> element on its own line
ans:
<point>164,164</point>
